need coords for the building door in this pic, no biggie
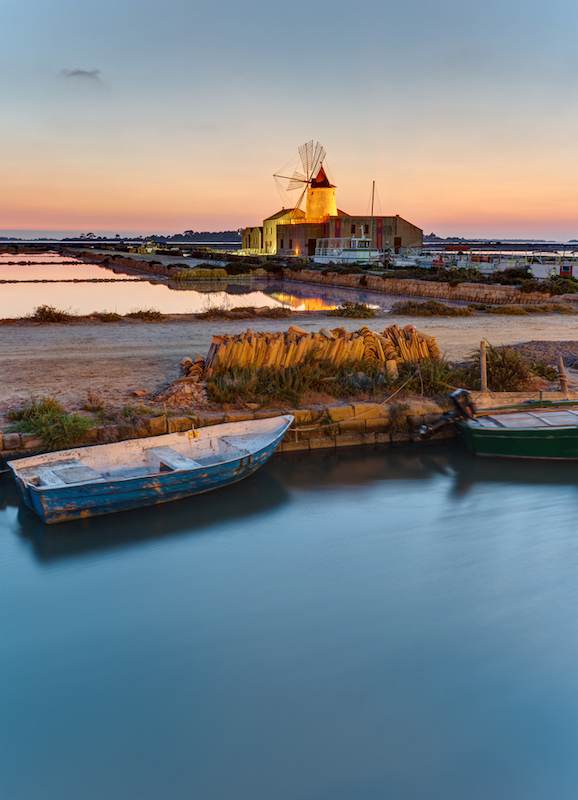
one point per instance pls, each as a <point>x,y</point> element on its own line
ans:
<point>311,246</point>
<point>397,243</point>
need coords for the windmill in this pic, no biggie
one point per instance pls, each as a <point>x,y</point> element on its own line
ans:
<point>310,178</point>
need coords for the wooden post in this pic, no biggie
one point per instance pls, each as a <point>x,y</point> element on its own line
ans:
<point>562,375</point>
<point>483,369</point>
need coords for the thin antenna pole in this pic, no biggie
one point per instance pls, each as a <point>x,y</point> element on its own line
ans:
<point>371,223</point>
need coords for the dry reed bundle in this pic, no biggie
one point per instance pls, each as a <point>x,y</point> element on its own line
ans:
<point>287,348</point>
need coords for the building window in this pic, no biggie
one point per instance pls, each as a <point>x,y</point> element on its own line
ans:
<point>281,248</point>
<point>353,230</point>
<point>290,244</point>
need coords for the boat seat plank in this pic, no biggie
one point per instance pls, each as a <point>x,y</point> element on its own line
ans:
<point>60,473</point>
<point>557,418</point>
<point>170,458</point>
<point>77,474</point>
<point>522,420</point>
<point>488,422</point>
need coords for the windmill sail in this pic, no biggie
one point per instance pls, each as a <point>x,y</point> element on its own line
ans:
<point>311,155</point>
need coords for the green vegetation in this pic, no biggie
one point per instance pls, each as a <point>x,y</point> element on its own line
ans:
<point>431,308</point>
<point>93,403</point>
<point>507,371</point>
<point>314,381</point>
<point>146,314</point>
<point>519,310</point>
<point>106,316</point>
<point>296,384</point>
<point>539,367</point>
<point>47,419</point>
<point>353,310</point>
<point>244,312</point>
<point>50,314</point>
<point>511,310</point>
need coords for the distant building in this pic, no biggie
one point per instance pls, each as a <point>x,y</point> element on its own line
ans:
<point>252,240</point>
<point>292,232</point>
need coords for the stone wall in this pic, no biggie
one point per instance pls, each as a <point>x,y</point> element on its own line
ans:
<point>465,292</point>
<point>339,425</point>
<point>319,427</point>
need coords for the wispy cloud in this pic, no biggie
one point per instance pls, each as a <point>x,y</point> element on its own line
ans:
<point>83,74</point>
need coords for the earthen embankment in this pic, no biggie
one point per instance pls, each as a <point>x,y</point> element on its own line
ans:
<point>463,292</point>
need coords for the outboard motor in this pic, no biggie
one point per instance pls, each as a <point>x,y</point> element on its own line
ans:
<point>463,409</point>
<point>463,405</point>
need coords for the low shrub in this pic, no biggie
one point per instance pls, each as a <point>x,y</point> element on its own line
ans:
<point>562,285</point>
<point>511,310</point>
<point>539,367</point>
<point>431,308</point>
<point>429,377</point>
<point>268,385</point>
<point>146,314</point>
<point>507,371</point>
<point>93,403</point>
<point>47,418</point>
<point>352,310</point>
<point>107,316</point>
<point>50,314</point>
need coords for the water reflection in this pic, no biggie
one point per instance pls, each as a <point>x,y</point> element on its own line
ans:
<point>341,625</point>
<point>256,495</point>
<point>270,488</point>
<point>420,462</point>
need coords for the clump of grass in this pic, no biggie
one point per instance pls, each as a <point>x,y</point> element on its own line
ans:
<point>47,419</point>
<point>559,284</point>
<point>430,378</point>
<point>520,310</point>
<point>107,316</point>
<point>398,421</point>
<point>539,367</point>
<point>47,313</point>
<point>511,310</point>
<point>268,385</point>
<point>431,308</point>
<point>146,314</point>
<point>507,371</point>
<point>214,312</point>
<point>352,310</point>
<point>243,312</point>
<point>556,308</point>
<point>93,403</point>
<point>276,313</point>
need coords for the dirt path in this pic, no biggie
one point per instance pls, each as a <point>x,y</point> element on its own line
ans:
<point>111,360</point>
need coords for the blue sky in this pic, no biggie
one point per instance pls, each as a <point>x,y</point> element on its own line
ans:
<point>160,116</point>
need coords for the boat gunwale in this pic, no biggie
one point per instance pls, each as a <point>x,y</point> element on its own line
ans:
<point>123,480</point>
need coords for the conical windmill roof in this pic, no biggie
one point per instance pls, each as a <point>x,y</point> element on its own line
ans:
<point>321,181</point>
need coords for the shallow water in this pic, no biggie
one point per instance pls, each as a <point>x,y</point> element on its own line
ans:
<point>383,624</point>
<point>127,290</point>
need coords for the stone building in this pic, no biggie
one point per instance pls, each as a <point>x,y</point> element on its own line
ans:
<point>292,232</point>
<point>252,240</point>
<point>385,233</point>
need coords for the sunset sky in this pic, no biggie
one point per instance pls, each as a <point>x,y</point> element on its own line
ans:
<point>148,117</point>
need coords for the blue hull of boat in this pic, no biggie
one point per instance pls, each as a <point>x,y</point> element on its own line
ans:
<point>90,500</point>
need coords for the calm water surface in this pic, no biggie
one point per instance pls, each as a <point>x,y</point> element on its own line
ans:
<point>386,625</point>
<point>131,290</point>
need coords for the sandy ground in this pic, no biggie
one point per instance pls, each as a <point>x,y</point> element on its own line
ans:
<point>112,360</point>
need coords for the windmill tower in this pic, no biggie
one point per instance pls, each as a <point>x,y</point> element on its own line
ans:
<point>314,184</point>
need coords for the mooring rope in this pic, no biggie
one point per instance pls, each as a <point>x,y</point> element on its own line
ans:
<point>369,410</point>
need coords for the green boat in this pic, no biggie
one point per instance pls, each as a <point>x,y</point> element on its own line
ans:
<point>532,430</point>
